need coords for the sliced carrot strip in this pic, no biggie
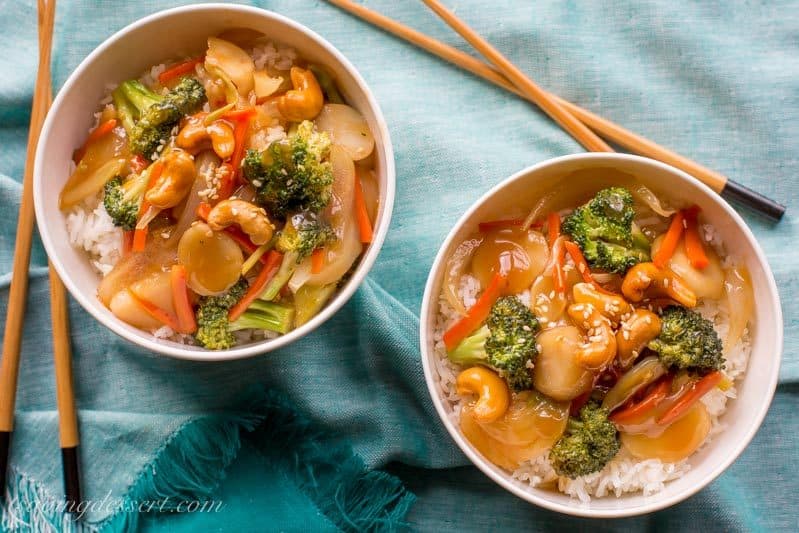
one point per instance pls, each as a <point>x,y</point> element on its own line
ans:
<point>180,298</point>
<point>268,271</point>
<point>227,182</point>
<point>137,164</point>
<point>97,133</point>
<point>558,260</point>
<point>317,260</point>
<point>364,224</point>
<point>179,69</point>
<point>240,114</point>
<point>694,248</point>
<point>127,242</point>
<point>650,401</point>
<point>580,262</point>
<point>670,241</point>
<point>553,227</point>
<point>689,398</point>
<point>242,118</point>
<point>140,235</point>
<point>162,315</point>
<point>203,210</point>
<point>476,314</point>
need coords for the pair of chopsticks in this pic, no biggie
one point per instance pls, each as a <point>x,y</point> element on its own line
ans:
<point>584,126</point>
<point>9,367</point>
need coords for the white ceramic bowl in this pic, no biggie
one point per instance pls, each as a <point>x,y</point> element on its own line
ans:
<point>150,41</point>
<point>755,390</point>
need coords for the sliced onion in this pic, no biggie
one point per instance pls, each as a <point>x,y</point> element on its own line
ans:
<point>82,185</point>
<point>233,61</point>
<point>340,208</point>
<point>741,300</point>
<point>456,265</point>
<point>347,128</point>
<point>638,377</point>
<point>339,256</point>
<point>643,194</point>
<point>541,208</point>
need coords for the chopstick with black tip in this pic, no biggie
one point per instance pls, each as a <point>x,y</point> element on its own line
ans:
<point>605,128</point>
<point>12,337</point>
<point>62,352</point>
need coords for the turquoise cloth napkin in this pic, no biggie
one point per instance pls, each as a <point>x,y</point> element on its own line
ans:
<point>717,81</point>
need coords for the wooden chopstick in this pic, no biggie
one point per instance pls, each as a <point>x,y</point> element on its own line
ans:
<point>606,128</point>
<point>59,319</point>
<point>529,88</point>
<point>12,337</point>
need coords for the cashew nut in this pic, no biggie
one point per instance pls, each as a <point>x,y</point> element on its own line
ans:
<point>303,102</point>
<point>251,219</point>
<point>645,280</point>
<point>612,306</point>
<point>194,136</point>
<point>600,347</point>
<point>634,334</point>
<point>492,392</point>
<point>175,180</point>
<point>222,139</point>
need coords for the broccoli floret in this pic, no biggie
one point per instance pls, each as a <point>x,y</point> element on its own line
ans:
<point>604,230</point>
<point>122,199</point>
<point>506,343</point>
<point>265,315</point>
<point>687,340</point>
<point>149,117</point>
<point>587,444</point>
<point>213,326</point>
<point>302,234</point>
<point>292,175</point>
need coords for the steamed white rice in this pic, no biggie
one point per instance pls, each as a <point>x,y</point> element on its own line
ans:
<point>624,473</point>
<point>91,229</point>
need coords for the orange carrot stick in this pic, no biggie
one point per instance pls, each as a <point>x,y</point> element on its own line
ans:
<point>580,262</point>
<point>553,227</point>
<point>137,164</point>
<point>127,242</point>
<point>241,118</point>
<point>317,260</point>
<point>689,398</point>
<point>694,248</point>
<point>97,133</point>
<point>650,401</point>
<point>162,315</point>
<point>558,260</point>
<point>670,241</point>
<point>227,182</point>
<point>180,298</point>
<point>476,314</point>
<point>179,69</point>
<point>140,235</point>
<point>268,271</point>
<point>203,210</point>
<point>364,224</point>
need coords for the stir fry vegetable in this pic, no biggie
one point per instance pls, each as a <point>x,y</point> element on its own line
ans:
<point>232,186</point>
<point>611,335</point>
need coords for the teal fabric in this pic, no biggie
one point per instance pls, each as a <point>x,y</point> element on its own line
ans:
<point>717,81</point>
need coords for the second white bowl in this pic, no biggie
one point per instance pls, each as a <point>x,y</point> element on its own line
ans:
<point>755,391</point>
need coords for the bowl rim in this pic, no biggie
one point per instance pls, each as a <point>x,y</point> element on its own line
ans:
<point>429,301</point>
<point>174,350</point>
